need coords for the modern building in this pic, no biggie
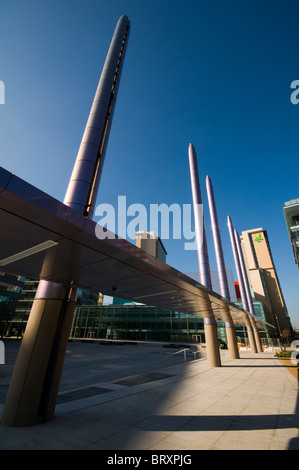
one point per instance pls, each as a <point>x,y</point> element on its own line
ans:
<point>291,214</point>
<point>263,277</point>
<point>130,321</point>
<point>152,244</point>
<point>136,322</point>
<point>127,321</point>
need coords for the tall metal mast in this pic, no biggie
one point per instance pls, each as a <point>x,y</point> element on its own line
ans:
<point>217,241</point>
<point>83,187</point>
<point>200,231</point>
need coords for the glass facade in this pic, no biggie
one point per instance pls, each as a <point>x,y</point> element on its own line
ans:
<point>136,323</point>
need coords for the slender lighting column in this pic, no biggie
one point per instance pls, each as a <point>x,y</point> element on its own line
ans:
<point>247,290</point>
<point>33,389</point>
<point>200,231</point>
<point>83,187</point>
<point>241,284</point>
<point>224,290</point>
<point>217,240</point>
<point>210,325</point>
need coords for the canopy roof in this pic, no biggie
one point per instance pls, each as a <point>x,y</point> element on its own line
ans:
<point>42,238</point>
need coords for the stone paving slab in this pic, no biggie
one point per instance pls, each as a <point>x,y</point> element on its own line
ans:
<point>249,403</point>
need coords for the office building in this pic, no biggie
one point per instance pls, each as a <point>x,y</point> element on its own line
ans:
<point>263,277</point>
<point>152,244</point>
<point>133,322</point>
<point>291,214</point>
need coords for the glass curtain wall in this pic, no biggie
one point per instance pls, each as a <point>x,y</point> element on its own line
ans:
<point>136,323</point>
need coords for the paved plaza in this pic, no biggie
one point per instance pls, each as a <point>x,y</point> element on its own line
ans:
<point>147,397</point>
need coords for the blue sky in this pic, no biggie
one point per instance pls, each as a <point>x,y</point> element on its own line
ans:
<point>212,72</point>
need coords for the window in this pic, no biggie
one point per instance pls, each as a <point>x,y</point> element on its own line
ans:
<point>295,219</point>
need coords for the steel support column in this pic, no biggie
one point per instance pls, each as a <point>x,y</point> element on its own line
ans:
<point>231,336</point>
<point>212,343</point>
<point>34,384</point>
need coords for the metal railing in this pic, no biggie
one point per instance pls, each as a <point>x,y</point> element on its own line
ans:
<point>185,354</point>
<point>178,352</point>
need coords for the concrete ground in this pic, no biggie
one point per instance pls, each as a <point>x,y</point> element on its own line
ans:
<point>145,397</point>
